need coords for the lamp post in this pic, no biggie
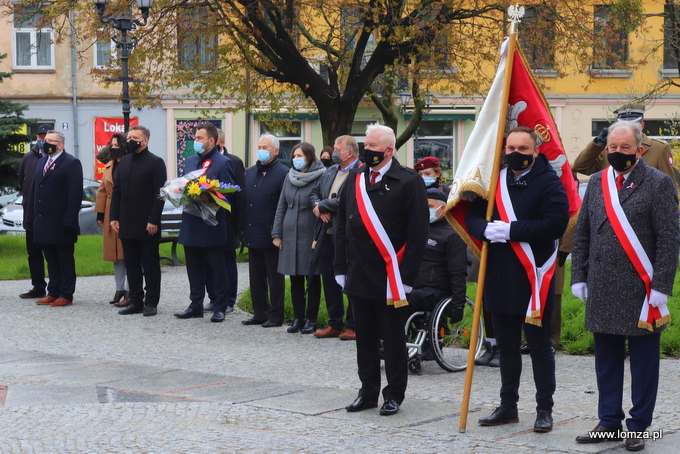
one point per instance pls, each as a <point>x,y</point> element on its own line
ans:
<point>124,25</point>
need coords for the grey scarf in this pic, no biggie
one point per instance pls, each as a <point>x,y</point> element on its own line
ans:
<point>301,179</point>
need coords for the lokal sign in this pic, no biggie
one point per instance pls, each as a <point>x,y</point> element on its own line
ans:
<point>104,128</point>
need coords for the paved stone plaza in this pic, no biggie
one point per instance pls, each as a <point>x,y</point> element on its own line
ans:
<point>83,379</point>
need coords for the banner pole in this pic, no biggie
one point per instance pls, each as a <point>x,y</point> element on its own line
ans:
<point>489,213</point>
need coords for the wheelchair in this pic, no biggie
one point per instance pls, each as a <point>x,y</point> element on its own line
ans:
<point>445,342</point>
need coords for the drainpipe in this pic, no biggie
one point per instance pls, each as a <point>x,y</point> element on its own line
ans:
<point>74,87</point>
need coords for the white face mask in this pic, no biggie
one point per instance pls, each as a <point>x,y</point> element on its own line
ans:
<point>433,215</point>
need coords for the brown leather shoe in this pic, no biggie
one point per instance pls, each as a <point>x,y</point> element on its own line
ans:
<point>348,335</point>
<point>124,303</point>
<point>60,302</point>
<point>328,332</point>
<point>590,437</point>
<point>635,444</point>
<point>46,301</point>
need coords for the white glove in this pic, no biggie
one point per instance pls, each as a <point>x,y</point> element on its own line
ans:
<point>407,288</point>
<point>657,299</point>
<point>340,279</point>
<point>502,229</point>
<point>491,233</point>
<point>580,290</point>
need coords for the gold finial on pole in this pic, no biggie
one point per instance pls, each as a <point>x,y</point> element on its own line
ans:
<point>516,14</point>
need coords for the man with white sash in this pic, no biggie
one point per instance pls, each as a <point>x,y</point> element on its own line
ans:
<point>624,260</point>
<point>380,236</point>
<point>531,213</point>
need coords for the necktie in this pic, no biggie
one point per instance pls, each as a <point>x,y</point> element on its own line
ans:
<point>619,182</point>
<point>47,166</point>
<point>374,175</point>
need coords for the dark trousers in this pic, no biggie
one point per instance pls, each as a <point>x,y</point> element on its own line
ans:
<point>143,263</point>
<point>232,275</point>
<point>266,284</point>
<point>62,269</point>
<point>508,329</point>
<point>335,304</point>
<point>297,297</point>
<point>232,278</point>
<point>36,262</point>
<point>610,355</point>
<point>375,320</point>
<point>201,260</point>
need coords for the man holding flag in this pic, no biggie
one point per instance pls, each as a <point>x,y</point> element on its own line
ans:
<point>623,265</point>
<point>531,213</point>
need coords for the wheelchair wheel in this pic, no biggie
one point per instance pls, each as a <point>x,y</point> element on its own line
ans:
<point>416,334</point>
<point>415,366</point>
<point>450,341</point>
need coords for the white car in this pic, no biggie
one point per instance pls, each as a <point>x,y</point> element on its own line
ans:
<point>12,216</point>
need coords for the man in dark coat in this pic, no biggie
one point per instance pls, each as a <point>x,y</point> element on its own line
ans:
<point>262,189</point>
<point>541,211</point>
<point>36,263</point>
<point>53,207</point>
<point>397,195</point>
<point>444,266</point>
<point>204,244</point>
<point>325,197</point>
<point>614,289</point>
<point>136,215</point>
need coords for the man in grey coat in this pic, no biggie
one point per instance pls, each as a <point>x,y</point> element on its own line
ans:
<point>624,259</point>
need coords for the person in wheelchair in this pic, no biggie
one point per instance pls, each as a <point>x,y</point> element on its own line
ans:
<point>444,266</point>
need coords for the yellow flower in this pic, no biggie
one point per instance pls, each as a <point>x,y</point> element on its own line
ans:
<point>194,189</point>
<point>202,179</point>
<point>214,184</point>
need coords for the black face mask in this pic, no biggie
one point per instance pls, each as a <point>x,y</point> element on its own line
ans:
<point>372,158</point>
<point>621,162</point>
<point>115,152</point>
<point>518,161</point>
<point>49,148</point>
<point>133,145</point>
<point>326,162</point>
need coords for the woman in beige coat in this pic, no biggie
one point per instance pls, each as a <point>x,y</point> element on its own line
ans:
<point>112,248</point>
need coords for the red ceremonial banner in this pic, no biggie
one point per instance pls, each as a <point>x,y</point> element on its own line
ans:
<point>104,128</point>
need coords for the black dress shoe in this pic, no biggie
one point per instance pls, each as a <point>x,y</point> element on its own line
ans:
<point>209,307</point>
<point>390,407</point>
<point>295,327</point>
<point>544,421</point>
<point>361,403</point>
<point>309,328</point>
<point>271,324</point>
<point>217,317</point>
<point>190,313</point>
<point>251,321</point>
<point>635,444</point>
<point>612,435</point>
<point>131,309</point>
<point>150,311</point>
<point>524,349</point>
<point>500,416</point>
<point>33,293</point>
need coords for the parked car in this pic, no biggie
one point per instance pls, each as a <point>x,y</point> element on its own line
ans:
<point>12,216</point>
<point>8,198</point>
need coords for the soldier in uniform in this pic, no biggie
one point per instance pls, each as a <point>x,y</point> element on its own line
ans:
<point>655,153</point>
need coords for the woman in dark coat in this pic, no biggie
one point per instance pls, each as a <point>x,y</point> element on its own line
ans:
<point>293,233</point>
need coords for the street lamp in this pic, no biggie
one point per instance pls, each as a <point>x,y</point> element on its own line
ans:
<point>124,25</point>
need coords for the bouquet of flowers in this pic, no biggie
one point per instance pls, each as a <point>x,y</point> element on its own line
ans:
<point>198,195</point>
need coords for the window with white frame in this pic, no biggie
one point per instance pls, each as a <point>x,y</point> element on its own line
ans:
<point>33,47</point>
<point>104,51</point>
<point>289,134</point>
<point>196,47</point>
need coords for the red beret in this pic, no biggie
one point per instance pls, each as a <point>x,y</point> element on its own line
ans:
<point>427,163</point>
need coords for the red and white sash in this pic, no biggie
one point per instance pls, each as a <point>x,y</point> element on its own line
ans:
<point>649,315</point>
<point>539,277</point>
<point>379,236</point>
